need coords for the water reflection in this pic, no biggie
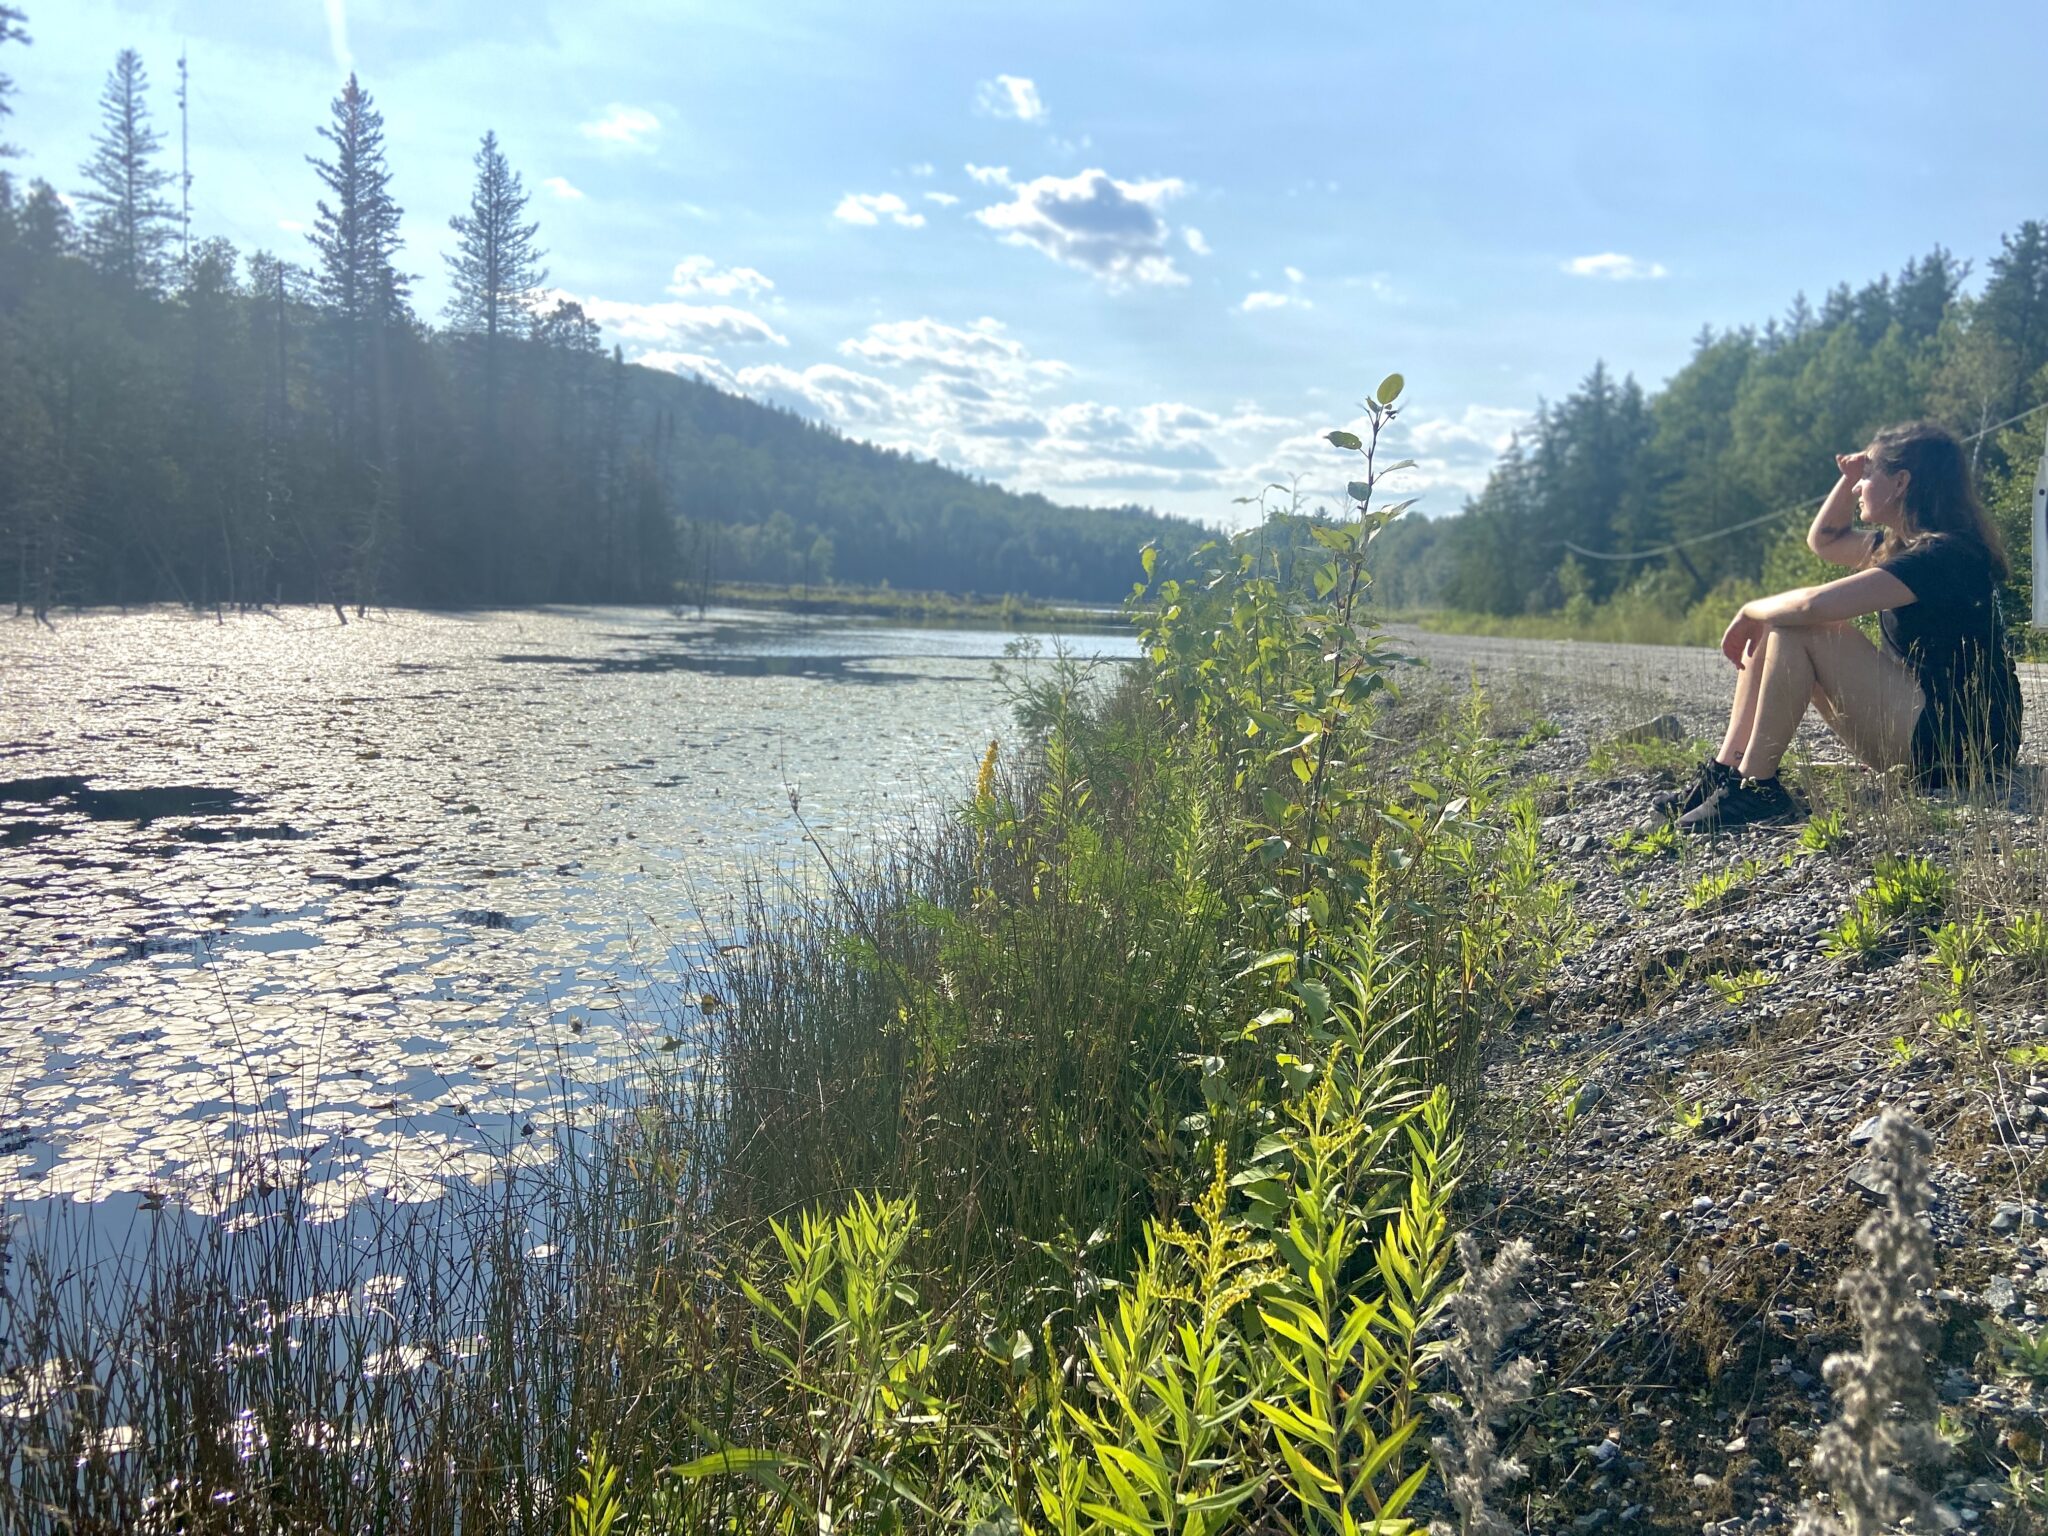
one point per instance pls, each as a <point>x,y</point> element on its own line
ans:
<point>389,901</point>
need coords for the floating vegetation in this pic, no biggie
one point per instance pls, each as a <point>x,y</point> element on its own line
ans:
<point>382,904</point>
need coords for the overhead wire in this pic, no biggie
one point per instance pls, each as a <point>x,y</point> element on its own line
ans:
<point>1754,522</point>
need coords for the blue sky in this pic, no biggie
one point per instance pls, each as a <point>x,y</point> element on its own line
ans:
<point>1124,253</point>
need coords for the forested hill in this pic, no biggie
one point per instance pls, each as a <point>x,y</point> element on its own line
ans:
<point>196,425</point>
<point>761,487</point>
<point>1746,429</point>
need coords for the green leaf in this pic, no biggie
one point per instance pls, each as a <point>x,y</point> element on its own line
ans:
<point>1390,387</point>
<point>1149,557</point>
<point>1388,469</point>
<point>736,1460</point>
<point>1359,490</point>
<point>1117,1518</point>
<point>1342,439</point>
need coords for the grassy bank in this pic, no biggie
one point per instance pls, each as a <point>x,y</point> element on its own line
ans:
<point>1085,1163</point>
<point>969,610</point>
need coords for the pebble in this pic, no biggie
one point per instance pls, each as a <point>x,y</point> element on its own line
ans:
<point>1865,1133</point>
<point>1868,1180</point>
<point>2001,1297</point>
<point>1702,1481</point>
<point>1737,1446</point>
<point>1702,1204</point>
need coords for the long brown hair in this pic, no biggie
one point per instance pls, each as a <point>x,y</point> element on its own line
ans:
<point>1940,497</point>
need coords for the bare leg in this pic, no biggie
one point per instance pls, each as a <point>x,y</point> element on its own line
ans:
<point>1742,715</point>
<point>1872,701</point>
<point>1783,693</point>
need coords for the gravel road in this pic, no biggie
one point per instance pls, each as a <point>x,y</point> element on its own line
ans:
<point>1622,682</point>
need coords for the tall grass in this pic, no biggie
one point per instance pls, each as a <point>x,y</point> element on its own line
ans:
<point>1081,1163</point>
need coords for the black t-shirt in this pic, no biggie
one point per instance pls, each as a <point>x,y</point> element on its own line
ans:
<point>1953,638</point>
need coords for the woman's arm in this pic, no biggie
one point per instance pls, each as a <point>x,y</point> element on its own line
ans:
<point>1870,591</point>
<point>1833,535</point>
<point>1849,597</point>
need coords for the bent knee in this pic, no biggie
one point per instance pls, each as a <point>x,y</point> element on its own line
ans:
<point>1807,634</point>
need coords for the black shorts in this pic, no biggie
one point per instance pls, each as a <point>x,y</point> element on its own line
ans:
<point>1940,760</point>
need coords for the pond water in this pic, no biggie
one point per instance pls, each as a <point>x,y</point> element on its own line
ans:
<point>382,904</point>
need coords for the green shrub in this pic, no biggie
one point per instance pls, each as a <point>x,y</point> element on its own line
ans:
<point>2024,941</point>
<point>1722,887</point>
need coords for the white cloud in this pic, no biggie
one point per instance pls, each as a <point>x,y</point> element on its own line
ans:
<point>561,187</point>
<point>989,175</point>
<point>873,207</point>
<point>983,352</point>
<point>671,324</point>
<point>1111,228</point>
<point>1469,443</point>
<point>627,127</point>
<point>1454,455</point>
<point>1010,96</point>
<point>1195,240</point>
<point>922,168</point>
<point>700,274</point>
<point>943,199</point>
<point>337,35</point>
<point>1613,265</point>
<point>289,226</point>
<point>1293,274</point>
<point>971,394</point>
<point>1377,284</point>
<point>1260,299</point>
<point>823,389</point>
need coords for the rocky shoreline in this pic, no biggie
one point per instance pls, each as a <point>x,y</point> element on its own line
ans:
<point>1680,1122</point>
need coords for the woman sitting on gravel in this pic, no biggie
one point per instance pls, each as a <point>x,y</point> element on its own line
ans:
<point>1941,697</point>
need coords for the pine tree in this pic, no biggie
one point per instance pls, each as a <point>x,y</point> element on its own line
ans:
<point>356,237</point>
<point>126,237</point>
<point>495,266</point>
<point>11,31</point>
<point>2014,303</point>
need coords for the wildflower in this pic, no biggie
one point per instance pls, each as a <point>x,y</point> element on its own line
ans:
<point>985,781</point>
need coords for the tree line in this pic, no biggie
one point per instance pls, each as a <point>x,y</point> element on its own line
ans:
<point>1748,426</point>
<point>180,421</point>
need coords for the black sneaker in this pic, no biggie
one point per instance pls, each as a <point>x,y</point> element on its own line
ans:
<point>1744,803</point>
<point>1708,775</point>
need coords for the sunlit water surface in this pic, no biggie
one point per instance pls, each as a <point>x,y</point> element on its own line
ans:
<point>384,905</point>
